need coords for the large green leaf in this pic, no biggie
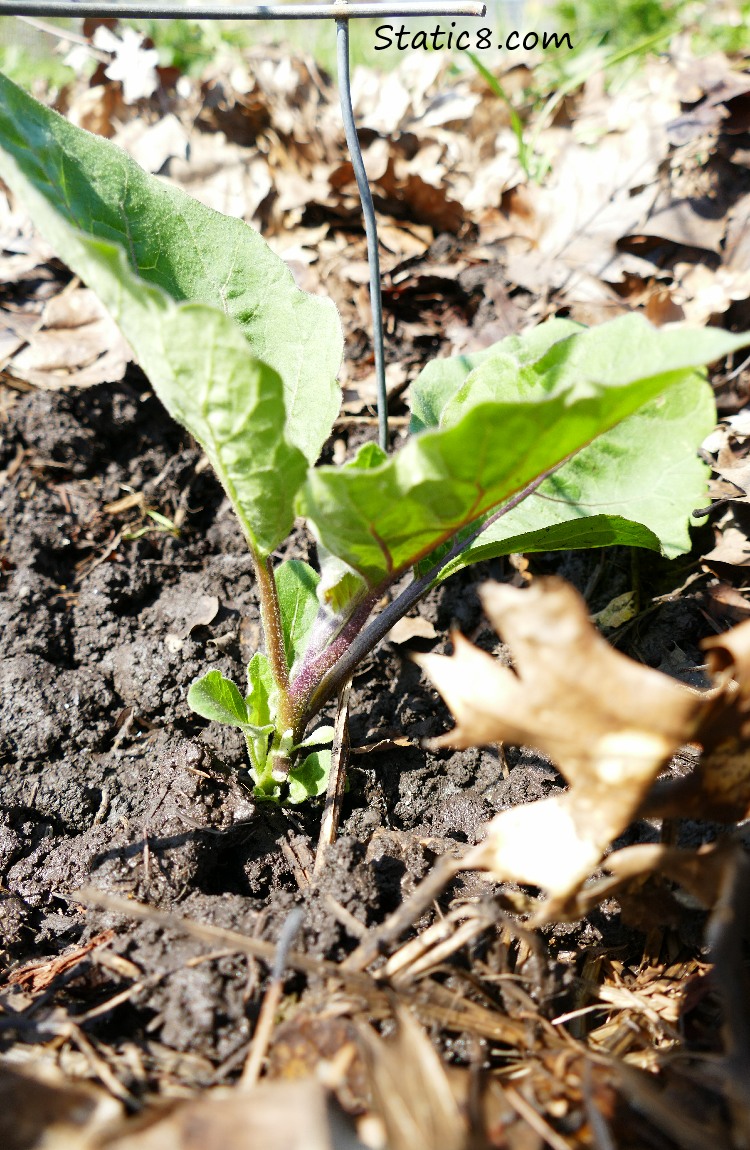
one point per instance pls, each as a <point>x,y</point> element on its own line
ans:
<point>635,486</point>
<point>383,520</point>
<point>612,355</point>
<point>186,249</point>
<point>200,366</point>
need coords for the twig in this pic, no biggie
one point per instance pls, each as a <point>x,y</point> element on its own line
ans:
<point>240,943</point>
<point>264,1028</point>
<point>336,780</point>
<point>535,1120</point>
<point>445,869</point>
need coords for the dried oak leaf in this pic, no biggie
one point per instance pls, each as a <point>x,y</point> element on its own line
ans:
<point>77,345</point>
<point>719,787</point>
<point>608,723</point>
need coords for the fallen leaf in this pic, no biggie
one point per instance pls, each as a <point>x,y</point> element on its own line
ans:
<point>609,724</point>
<point>153,145</point>
<point>293,1115</point>
<point>411,628</point>
<point>77,345</point>
<point>37,976</point>
<point>132,64</point>
<point>39,1107</point>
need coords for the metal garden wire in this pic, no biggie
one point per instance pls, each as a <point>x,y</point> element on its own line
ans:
<point>341,12</point>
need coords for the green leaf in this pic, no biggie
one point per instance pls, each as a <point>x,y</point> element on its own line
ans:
<point>311,778</point>
<point>296,583</point>
<point>200,366</point>
<point>339,586</point>
<point>316,738</point>
<point>613,355</point>
<point>634,486</point>
<point>440,379</point>
<point>262,695</point>
<point>386,519</point>
<point>176,244</point>
<point>217,698</point>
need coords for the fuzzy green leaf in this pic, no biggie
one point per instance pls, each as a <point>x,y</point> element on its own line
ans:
<point>635,486</point>
<point>176,244</point>
<point>296,584</point>
<point>262,694</point>
<point>311,778</point>
<point>440,379</point>
<point>217,698</point>
<point>200,366</point>
<point>384,520</point>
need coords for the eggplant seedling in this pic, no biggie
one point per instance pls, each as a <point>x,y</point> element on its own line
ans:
<point>563,437</point>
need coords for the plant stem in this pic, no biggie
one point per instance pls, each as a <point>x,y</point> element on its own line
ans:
<point>313,670</point>
<point>357,648</point>
<point>270,617</point>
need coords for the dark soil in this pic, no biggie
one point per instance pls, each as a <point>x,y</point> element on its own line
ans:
<point>109,780</point>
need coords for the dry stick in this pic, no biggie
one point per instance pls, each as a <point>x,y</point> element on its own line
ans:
<point>432,1010</point>
<point>271,1000</point>
<point>728,929</point>
<point>336,780</point>
<point>445,869</point>
<point>240,943</point>
<point>535,1120</point>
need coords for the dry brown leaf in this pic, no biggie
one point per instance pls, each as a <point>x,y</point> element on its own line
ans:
<point>412,1091</point>
<point>719,787</point>
<point>77,345</point>
<point>37,976</point>
<point>699,872</point>
<point>732,545</point>
<point>153,145</point>
<point>608,723</point>
<point>40,1108</point>
<point>411,628</point>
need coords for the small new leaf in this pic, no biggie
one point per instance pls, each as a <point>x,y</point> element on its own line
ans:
<point>296,585</point>
<point>311,778</point>
<point>217,698</point>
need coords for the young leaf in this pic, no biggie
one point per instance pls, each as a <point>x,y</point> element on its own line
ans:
<point>317,738</point>
<point>177,244</point>
<point>339,586</point>
<point>296,584</point>
<point>261,697</point>
<point>217,698</point>
<point>311,778</point>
